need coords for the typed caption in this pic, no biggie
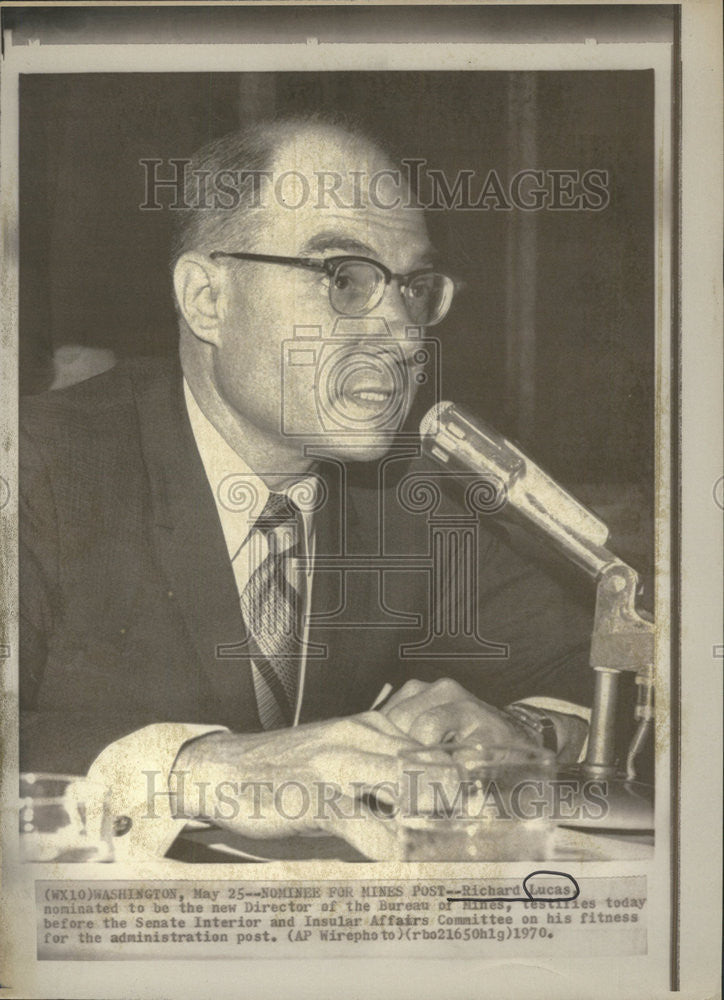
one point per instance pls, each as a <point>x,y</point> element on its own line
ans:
<point>115,920</point>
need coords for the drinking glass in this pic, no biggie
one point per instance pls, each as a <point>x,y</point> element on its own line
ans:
<point>470,802</point>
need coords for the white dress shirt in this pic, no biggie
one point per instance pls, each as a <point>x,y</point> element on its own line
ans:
<point>240,495</point>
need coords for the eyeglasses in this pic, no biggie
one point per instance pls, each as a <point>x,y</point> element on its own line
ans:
<point>357,284</point>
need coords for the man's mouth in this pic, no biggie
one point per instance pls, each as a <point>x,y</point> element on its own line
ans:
<point>375,396</point>
<point>369,388</point>
<point>370,384</point>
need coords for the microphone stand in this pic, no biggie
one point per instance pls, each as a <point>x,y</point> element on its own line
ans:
<point>622,641</point>
<point>622,638</point>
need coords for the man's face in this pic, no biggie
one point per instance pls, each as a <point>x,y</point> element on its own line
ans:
<point>286,361</point>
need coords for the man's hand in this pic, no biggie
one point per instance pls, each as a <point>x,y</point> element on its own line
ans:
<point>311,778</point>
<point>443,710</point>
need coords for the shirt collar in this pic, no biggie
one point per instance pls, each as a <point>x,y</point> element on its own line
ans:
<point>239,493</point>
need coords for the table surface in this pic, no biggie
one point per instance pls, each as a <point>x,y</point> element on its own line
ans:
<point>208,844</point>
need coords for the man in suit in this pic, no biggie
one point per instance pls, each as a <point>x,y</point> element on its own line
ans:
<point>209,597</point>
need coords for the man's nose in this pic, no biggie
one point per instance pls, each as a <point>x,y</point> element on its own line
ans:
<point>404,338</point>
<point>388,318</point>
<point>375,325</point>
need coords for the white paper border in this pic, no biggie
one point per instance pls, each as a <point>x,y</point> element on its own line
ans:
<point>701,313</point>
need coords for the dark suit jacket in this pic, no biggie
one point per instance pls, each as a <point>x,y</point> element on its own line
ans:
<point>126,589</point>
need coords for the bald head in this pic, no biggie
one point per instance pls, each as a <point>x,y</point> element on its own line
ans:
<point>231,181</point>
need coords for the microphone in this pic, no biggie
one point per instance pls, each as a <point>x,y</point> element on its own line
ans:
<point>464,444</point>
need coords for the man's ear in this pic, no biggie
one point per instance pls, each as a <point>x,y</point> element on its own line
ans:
<point>197,282</point>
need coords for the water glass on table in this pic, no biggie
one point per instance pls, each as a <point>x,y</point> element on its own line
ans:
<point>470,802</point>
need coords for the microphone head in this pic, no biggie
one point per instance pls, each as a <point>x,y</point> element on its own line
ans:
<point>429,423</point>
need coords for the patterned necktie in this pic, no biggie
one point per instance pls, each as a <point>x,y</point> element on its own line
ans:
<point>270,605</point>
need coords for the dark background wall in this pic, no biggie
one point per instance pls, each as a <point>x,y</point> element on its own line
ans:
<point>553,341</point>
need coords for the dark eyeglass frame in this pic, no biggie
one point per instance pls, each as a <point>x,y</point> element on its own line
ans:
<point>329,266</point>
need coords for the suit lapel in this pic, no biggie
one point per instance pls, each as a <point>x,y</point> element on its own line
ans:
<point>191,545</point>
<point>193,555</point>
